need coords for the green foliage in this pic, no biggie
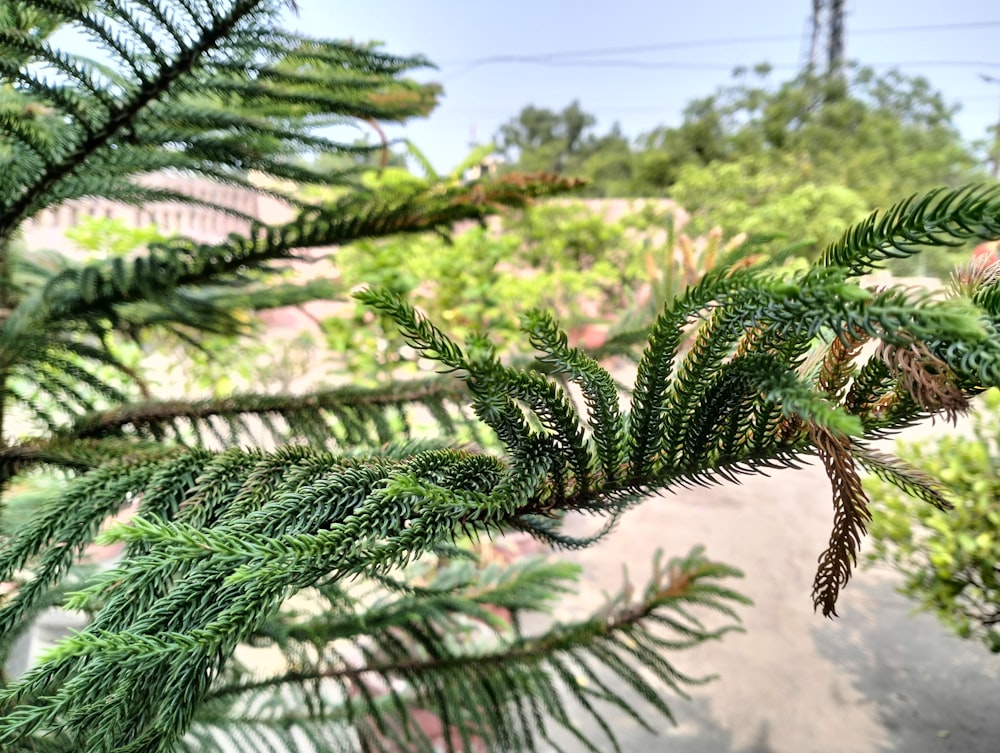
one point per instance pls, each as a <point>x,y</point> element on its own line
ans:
<point>823,133</point>
<point>835,136</point>
<point>222,539</point>
<point>466,664</point>
<point>793,158</point>
<point>564,256</point>
<point>234,112</point>
<point>102,237</point>
<point>222,366</point>
<point>948,555</point>
<point>544,140</point>
<point>758,194</point>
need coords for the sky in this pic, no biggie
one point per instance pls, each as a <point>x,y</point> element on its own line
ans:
<point>494,58</point>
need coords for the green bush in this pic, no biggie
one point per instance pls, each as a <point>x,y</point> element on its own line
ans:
<point>950,558</point>
<point>562,256</point>
<point>764,194</point>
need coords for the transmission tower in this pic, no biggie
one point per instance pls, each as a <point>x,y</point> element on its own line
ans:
<point>827,32</point>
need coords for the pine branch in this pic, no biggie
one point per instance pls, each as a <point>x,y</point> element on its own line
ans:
<point>851,515</point>
<point>351,416</point>
<point>220,96</point>
<point>94,291</point>
<point>228,535</point>
<point>838,364</point>
<point>176,286</point>
<point>944,217</point>
<point>599,390</point>
<point>77,455</point>
<point>411,663</point>
<point>925,379</point>
<point>120,114</point>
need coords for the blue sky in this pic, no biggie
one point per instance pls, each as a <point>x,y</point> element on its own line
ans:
<point>700,43</point>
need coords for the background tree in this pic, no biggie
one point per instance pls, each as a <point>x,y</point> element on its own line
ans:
<point>546,139</point>
<point>563,143</point>
<point>765,195</point>
<point>834,136</point>
<point>757,150</point>
<point>797,156</point>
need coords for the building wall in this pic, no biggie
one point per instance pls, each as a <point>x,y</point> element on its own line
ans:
<point>47,230</point>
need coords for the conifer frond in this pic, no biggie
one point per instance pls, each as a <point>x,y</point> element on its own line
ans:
<point>903,475</point>
<point>599,391</point>
<point>230,534</point>
<point>345,417</point>
<point>413,657</point>
<point>851,516</point>
<point>925,378</point>
<point>55,378</point>
<point>59,534</point>
<point>193,89</point>
<point>648,424</point>
<point>182,287</point>
<point>944,217</point>
<point>94,291</point>
<point>872,387</point>
<point>76,455</point>
<point>838,365</point>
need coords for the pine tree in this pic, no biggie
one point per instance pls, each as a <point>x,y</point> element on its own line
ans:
<point>302,547</point>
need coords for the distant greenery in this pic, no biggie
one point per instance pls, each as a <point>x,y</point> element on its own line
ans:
<point>834,133</point>
<point>104,237</point>
<point>761,194</point>
<point>795,157</point>
<point>950,558</point>
<point>539,139</point>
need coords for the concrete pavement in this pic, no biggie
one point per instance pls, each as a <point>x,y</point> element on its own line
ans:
<point>876,680</point>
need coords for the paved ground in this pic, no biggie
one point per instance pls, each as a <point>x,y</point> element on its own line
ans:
<point>875,680</point>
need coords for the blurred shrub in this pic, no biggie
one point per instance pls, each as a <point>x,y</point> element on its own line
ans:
<point>563,256</point>
<point>950,559</point>
<point>761,193</point>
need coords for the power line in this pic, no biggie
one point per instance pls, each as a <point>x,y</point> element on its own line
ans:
<point>718,42</point>
<point>493,106</point>
<point>688,65</point>
<point>651,64</point>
